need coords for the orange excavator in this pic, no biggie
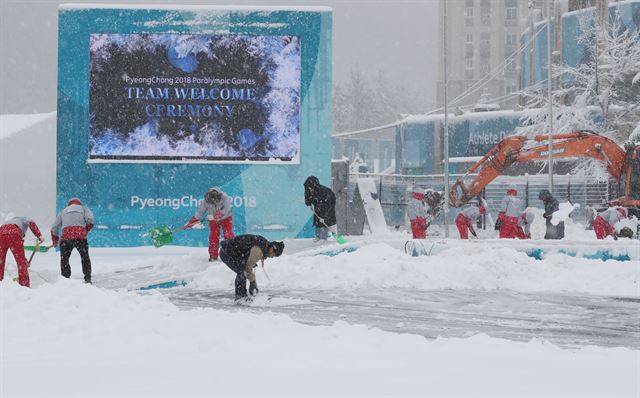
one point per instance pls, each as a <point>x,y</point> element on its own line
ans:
<point>623,164</point>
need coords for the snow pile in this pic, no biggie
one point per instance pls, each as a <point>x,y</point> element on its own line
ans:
<point>124,344</point>
<point>562,214</point>
<point>379,266</point>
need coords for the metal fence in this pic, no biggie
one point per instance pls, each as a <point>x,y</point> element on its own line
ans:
<point>394,192</point>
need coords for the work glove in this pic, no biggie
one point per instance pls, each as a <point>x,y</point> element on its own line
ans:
<point>253,288</point>
<point>41,239</point>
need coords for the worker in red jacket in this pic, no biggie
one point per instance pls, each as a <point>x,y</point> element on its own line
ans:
<point>217,207</point>
<point>417,214</point>
<point>510,211</point>
<point>604,224</point>
<point>76,222</point>
<point>12,237</point>
<point>466,218</point>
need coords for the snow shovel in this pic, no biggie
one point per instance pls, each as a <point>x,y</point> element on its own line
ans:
<point>339,238</point>
<point>162,235</point>
<point>39,249</point>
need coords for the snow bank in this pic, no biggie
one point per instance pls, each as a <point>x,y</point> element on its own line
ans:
<point>469,266</point>
<point>67,339</point>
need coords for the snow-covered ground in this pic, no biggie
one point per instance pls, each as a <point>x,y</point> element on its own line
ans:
<point>476,318</point>
<point>65,338</point>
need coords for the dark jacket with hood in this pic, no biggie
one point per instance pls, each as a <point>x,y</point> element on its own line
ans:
<point>242,252</point>
<point>323,201</point>
<point>551,205</point>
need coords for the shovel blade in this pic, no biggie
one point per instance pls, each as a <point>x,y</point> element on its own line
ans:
<point>339,238</point>
<point>161,235</point>
<point>40,249</point>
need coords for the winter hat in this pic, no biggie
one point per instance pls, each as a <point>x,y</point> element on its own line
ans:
<point>278,247</point>
<point>483,210</point>
<point>74,201</point>
<point>622,211</point>
<point>511,190</point>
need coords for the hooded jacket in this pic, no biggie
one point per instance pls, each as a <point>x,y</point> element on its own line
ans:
<point>75,220</point>
<point>551,204</point>
<point>221,207</point>
<point>511,205</point>
<point>323,201</point>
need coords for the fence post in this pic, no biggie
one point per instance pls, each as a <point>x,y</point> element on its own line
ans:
<point>526,190</point>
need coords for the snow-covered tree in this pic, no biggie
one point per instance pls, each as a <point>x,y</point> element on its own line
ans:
<point>600,94</point>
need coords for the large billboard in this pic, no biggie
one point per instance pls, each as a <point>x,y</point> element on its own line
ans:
<point>177,97</point>
<point>159,103</point>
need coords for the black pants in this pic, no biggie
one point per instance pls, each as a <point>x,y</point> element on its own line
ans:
<point>238,267</point>
<point>66,246</point>
<point>554,231</point>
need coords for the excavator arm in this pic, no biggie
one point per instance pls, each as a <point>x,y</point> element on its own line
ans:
<point>514,150</point>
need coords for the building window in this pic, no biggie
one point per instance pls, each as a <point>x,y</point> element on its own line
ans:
<point>469,38</point>
<point>485,68</point>
<point>512,39</point>
<point>469,12</point>
<point>485,13</point>
<point>512,13</point>
<point>469,62</point>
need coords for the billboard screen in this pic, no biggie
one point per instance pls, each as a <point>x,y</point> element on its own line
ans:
<point>193,97</point>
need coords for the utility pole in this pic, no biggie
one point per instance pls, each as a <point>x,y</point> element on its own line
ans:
<point>446,129</point>
<point>531,46</point>
<point>550,90</point>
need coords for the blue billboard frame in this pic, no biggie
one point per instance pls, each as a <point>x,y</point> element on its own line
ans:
<point>129,199</point>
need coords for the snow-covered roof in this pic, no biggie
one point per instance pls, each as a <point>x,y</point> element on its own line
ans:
<point>467,116</point>
<point>10,124</point>
<point>83,6</point>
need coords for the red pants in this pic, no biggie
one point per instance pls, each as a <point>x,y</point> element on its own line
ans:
<point>419,228</point>
<point>509,228</point>
<point>463,223</point>
<point>602,229</point>
<point>13,240</point>
<point>214,235</point>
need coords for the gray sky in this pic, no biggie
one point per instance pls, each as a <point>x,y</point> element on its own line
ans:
<point>398,38</point>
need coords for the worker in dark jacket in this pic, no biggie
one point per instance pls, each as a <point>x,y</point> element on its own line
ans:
<point>242,254</point>
<point>550,206</point>
<point>323,201</point>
